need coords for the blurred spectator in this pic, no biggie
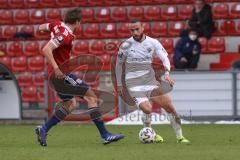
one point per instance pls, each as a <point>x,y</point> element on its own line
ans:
<point>23,35</point>
<point>201,19</point>
<point>187,51</point>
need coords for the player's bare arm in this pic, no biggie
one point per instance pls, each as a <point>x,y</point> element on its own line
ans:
<point>48,53</point>
<point>44,27</point>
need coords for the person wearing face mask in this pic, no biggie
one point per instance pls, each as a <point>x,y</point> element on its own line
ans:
<point>201,19</point>
<point>187,51</point>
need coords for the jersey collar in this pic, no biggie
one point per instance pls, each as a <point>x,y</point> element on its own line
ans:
<point>67,28</point>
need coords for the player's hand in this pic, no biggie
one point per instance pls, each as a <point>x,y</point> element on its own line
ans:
<point>169,80</point>
<point>183,59</point>
<point>58,73</point>
<point>119,90</point>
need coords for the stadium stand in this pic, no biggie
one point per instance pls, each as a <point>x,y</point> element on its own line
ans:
<point>104,25</point>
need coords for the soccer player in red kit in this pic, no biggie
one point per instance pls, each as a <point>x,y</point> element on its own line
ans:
<point>57,51</point>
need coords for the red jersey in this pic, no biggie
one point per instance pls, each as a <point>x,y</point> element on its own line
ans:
<point>62,38</point>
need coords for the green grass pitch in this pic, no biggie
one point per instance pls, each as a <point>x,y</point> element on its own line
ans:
<point>81,142</point>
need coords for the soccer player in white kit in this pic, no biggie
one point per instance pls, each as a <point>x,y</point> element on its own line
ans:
<point>137,54</point>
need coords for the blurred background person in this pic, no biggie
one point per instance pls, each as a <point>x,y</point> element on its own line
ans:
<point>187,51</point>
<point>201,19</point>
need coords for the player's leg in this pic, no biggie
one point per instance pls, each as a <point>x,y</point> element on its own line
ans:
<point>146,107</point>
<point>95,115</point>
<point>62,110</point>
<point>165,102</point>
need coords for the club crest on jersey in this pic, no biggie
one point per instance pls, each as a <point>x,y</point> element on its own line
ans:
<point>60,39</point>
<point>149,50</point>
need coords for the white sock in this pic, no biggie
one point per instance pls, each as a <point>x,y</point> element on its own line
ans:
<point>176,125</point>
<point>146,119</point>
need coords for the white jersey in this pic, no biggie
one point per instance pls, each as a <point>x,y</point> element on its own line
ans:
<point>138,57</point>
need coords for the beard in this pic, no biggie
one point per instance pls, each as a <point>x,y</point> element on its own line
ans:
<point>138,38</point>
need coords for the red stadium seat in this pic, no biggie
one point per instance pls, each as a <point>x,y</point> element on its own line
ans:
<point>216,45</point>
<point>161,1</point>
<point>97,47</point>
<point>92,31</point>
<point>64,3</point>
<point>123,30</point>
<point>87,15</point>
<point>81,47</point>
<point>36,63</point>
<point>147,28</point>
<point>169,13</point>
<point>38,79</point>
<point>31,48</point>
<point>119,14</point>
<point>48,3</point>
<point>167,44</point>
<point>175,28</point>
<point>112,3</point>
<point>204,43</point>
<point>53,15</point>
<point>9,31</point>
<point>128,2</point>
<point>235,11</point>
<point>28,29</point>
<point>3,47</point>
<point>79,32</point>
<point>15,49</point>
<point>103,15</point>
<point>3,4</point>
<point>96,2</point>
<point>159,29</point>
<point>24,79</point>
<point>218,30</point>
<point>108,30</point>
<point>153,13</point>
<point>6,17</point>
<point>37,16</point>
<point>136,13</point>
<point>29,94</point>
<point>185,11</point>
<point>21,17</point>
<point>221,11</point>
<point>16,3</point>
<point>228,27</point>
<point>80,2</point>
<point>32,3</point>
<point>19,64</point>
<point>6,61</point>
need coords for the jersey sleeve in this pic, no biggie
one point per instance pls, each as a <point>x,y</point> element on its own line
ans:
<point>121,57</point>
<point>52,25</point>
<point>162,54</point>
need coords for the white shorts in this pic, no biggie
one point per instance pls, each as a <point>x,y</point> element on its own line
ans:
<point>141,93</point>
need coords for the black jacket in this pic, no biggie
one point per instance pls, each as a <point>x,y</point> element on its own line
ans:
<point>202,22</point>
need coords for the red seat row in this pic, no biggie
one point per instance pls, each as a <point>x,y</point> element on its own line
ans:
<point>32,94</point>
<point>116,14</point>
<point>70,3</point>
<point>214,45</point>
<point>103,31</point>
<point>22,63</point>
<point>18,48</point>
<point>28,79</point>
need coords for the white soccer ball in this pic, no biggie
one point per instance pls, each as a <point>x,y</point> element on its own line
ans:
<point>147,135</point>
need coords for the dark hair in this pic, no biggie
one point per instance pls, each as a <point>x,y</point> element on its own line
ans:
<point>135,21</point>
<point>72,16</point>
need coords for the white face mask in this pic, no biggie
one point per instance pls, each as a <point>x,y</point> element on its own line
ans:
<point>193,37</point>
